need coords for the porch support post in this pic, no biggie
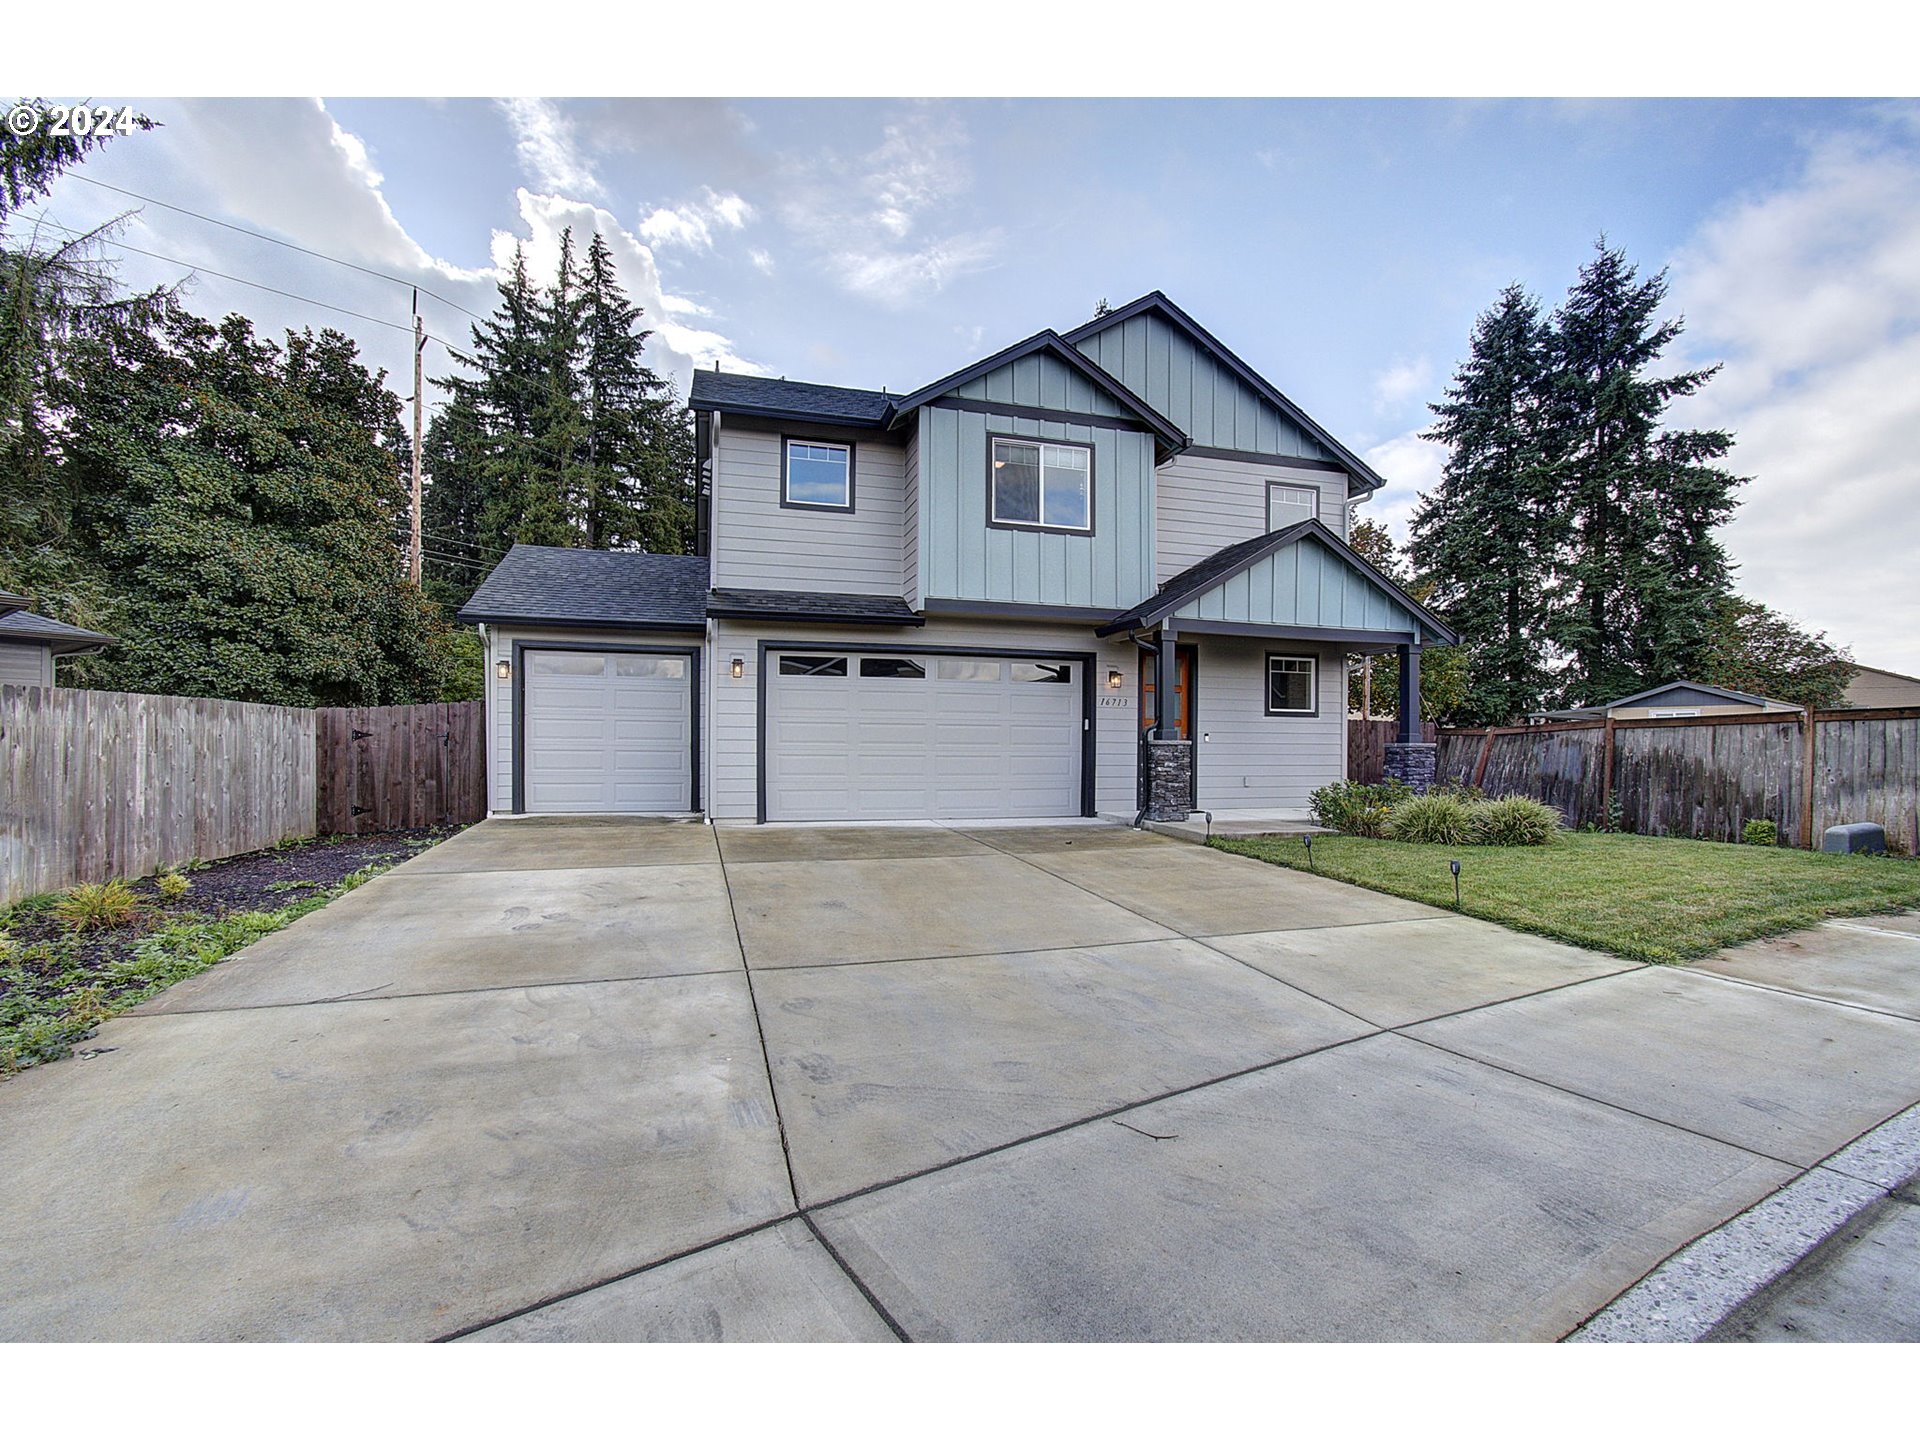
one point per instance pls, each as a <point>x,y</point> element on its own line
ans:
<point>1408,759</point>
<point>1169,760</point>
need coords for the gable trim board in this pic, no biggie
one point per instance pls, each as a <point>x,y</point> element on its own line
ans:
<point>1363,478</point>
<point>1038,412</point>
<point>1225,582</point>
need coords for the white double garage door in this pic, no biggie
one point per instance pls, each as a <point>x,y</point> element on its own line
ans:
<point>853,735</point>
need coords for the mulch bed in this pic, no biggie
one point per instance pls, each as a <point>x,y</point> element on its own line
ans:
<point>261,880</point>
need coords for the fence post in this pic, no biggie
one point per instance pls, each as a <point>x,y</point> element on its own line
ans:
<point>1486,754</point>
<point>1806,782</point>
<point>1606,775</point>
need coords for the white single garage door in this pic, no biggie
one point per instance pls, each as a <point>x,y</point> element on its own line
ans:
<point>607,732</point>
<point>921,737</point>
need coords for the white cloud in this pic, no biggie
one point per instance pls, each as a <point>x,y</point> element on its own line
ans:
<point>675,347</point>
<point>546,142</point>
<point>762,261</point>
<point>874,220</point>
<point>1402,382</point>
<point>1411,467</point>
<point>1810,293</point>
<point>691,226</point>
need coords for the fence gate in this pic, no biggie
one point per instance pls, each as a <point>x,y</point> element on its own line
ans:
<point>400,767</point>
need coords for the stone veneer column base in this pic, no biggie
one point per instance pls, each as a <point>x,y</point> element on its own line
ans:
<point>1169,779</point>
<point>1416,765</point>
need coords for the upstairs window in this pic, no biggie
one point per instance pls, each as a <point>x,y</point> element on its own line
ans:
<point>1290,504</point>
<point>819,475</point>
<point>1035,485</point>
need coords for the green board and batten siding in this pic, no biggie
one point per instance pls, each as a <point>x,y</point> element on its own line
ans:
<point>1204,399</point>
<point>1303,584</point>
<point>960,557</point>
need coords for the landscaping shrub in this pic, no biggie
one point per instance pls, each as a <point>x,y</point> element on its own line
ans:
<point>1760,832</point>
<point>97,907</point>
<point>1356,809</point>
<point>172,885</point>
<point>1428,820</point>
<point>1515,820</point>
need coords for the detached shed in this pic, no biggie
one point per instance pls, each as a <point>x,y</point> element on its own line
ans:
<point>29,643</point>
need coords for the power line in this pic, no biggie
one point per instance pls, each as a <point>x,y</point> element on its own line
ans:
<point>285,244</point>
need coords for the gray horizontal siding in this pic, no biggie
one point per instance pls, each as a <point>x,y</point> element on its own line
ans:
<point>759,544</point>
<point>26,665</point>
<point>1206,504</point>
<point>910,523</point>
<point>1193,390</point>
<point>961,557</point>
<point>1248,759</point>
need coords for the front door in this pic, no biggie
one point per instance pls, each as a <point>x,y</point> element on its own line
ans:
<point>1181,714</point>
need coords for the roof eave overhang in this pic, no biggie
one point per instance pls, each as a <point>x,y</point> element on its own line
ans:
<point>791,416</point>
<point>1358,470</point>
<point>564,622</point>
<point>816,617</point>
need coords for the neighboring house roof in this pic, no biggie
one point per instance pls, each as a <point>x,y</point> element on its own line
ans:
<point>1874,687</point>
<point>787,399</point>
<point>1730,697</point>
<point>1047,342</point>
<point>812,606</point>
<point>594,589</point>
<point>9,602</point>
<point>1198,334</point>
<point>23,627</point>
<point>1196,580</point>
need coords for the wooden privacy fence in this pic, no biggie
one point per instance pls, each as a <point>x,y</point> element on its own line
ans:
<point>1367,742</point>
<point>397,767</point>
<point>1706,776</point>
<point>97,784</point>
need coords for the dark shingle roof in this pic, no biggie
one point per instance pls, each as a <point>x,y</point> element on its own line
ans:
<point>64,639</point>
<point>786,399</point>
<point>597,589</point>
<point>10,602</point>
<point>815,606</point>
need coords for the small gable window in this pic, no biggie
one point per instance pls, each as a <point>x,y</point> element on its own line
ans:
<point>1036,485</point>
<point>819,475</point>
<point>1291,687</point>
<point>1290,504</point>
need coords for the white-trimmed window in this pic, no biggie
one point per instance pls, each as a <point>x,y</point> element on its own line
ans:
<point>1038,485</point>
<point>1290,504</point>
<point>817,475</point>
<point>1293,685</point>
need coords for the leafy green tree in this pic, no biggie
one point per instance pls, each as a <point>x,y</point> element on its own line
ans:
<point>1487,540</point>
<point>243,502</point>
<point>1643,570</point>
<point>1373,681</point>
<point>1755,649</point>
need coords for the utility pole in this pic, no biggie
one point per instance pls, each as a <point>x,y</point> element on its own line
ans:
<point>419,402</point>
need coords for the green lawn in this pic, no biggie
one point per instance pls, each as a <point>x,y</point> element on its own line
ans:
<point>1632,895</point>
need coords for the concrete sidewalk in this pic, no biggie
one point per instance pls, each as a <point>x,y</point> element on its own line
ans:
<point>617,1080</point>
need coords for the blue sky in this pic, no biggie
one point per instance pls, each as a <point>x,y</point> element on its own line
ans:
<point>1343,248</point>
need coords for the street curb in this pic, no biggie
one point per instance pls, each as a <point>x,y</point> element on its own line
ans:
<point>1698,1287</point>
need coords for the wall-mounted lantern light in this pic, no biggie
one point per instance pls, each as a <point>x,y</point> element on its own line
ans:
<point>739,667</point>
<point>503,670</point>
<point>1113,679</point>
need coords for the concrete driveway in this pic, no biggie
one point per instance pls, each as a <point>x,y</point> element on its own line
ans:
<point>618,1080</point>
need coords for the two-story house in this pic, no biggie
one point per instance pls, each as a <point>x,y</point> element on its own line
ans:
<point>1095,573</point>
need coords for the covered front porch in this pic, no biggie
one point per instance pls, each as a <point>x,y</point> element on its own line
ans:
<point>1243,677</point>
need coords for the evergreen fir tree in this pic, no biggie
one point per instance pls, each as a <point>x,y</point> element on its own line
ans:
<point>1644,570</point>
<point>1486,540</point>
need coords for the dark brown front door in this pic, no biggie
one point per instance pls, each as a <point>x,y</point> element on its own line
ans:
<point>1180,718</point>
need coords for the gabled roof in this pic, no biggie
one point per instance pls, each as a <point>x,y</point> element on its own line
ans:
<point>772,399</point>
<point>1736,697</point>
<point>594,589</point>
<point>1159,304</point>
<point>1196,580</point>
<point>23,627</point>
<point>815,606</point>
<point>1047,342</point>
